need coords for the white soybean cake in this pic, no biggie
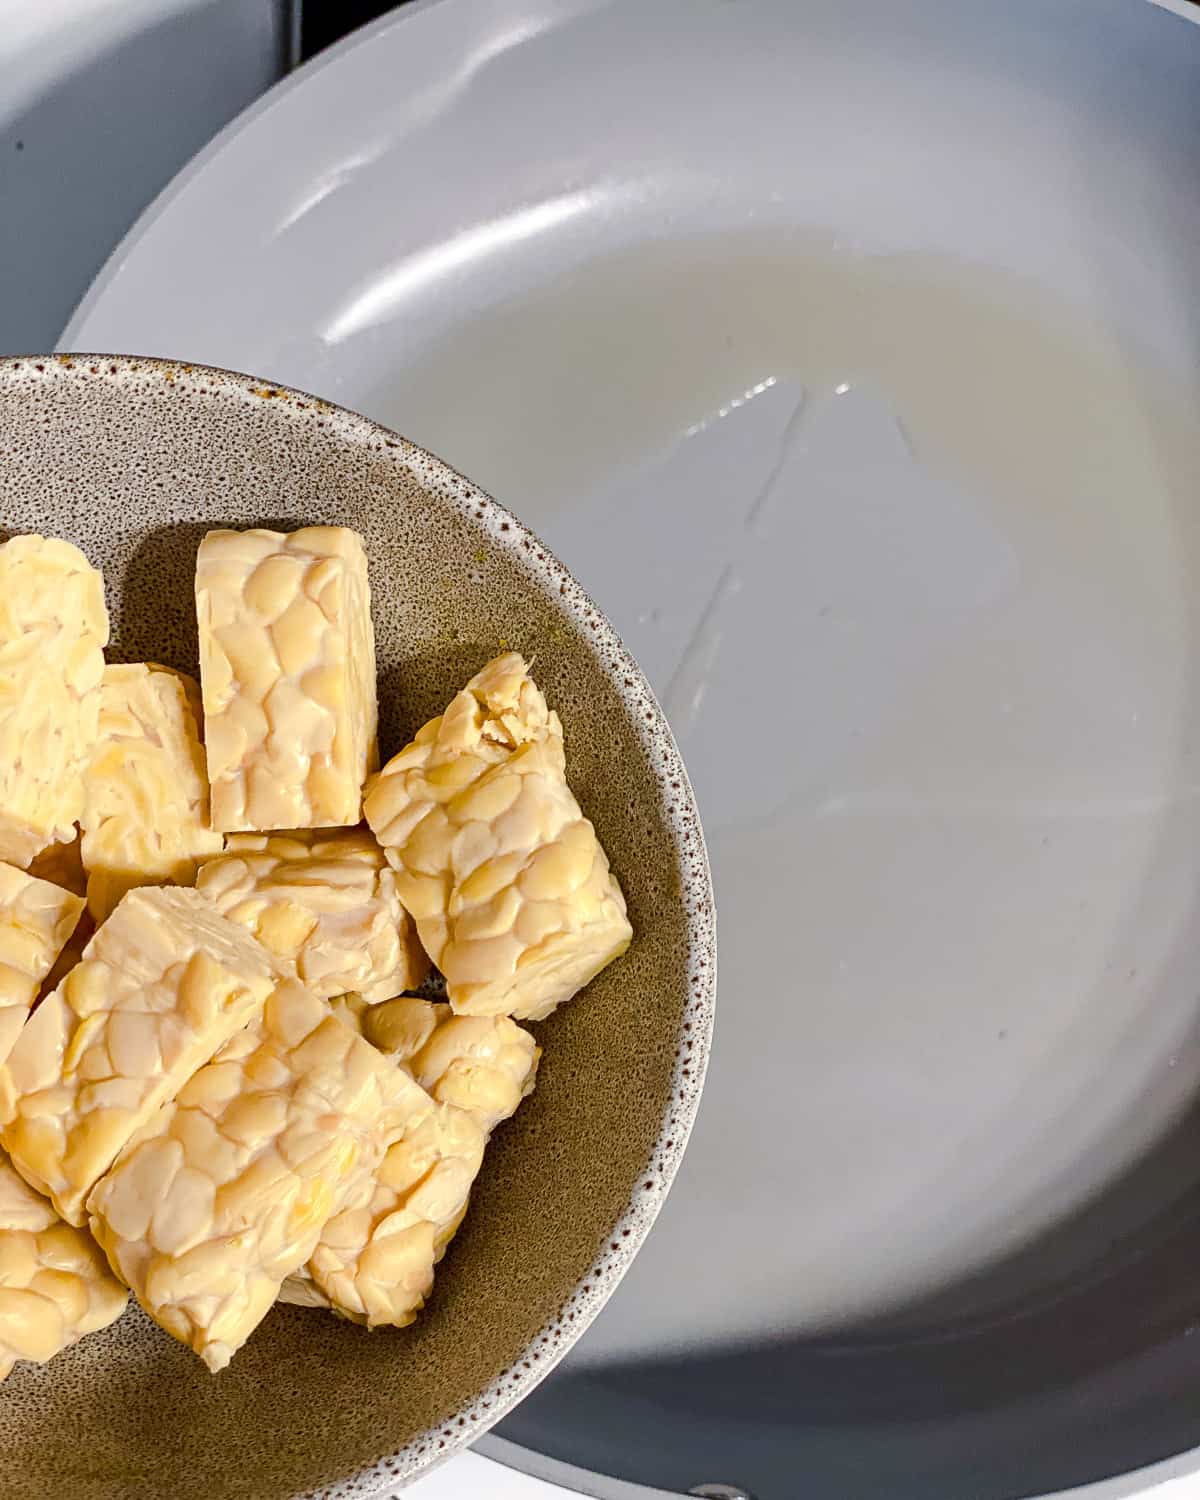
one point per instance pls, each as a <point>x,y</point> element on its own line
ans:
<point>287,665</point>
<point>36,921</point>
<point>53,630</point>
<point>505,877</point>
<point>146,815</point>
<point>162,985</point>
<point>55,1286</point>
<point>325,903</point>
<point>226,1190</point>
<point>376,1257</point>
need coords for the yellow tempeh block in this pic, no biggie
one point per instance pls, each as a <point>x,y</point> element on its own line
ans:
<point>287,659</point>
<point>163,983</point>
<point>375,1259</point>
<point>145,818</point>
<point>512,894</point>
<point>326,904</point>
<point>36,919</point>
<point>483,1065</point>
<point>54,1284</point>
<point>53,630</point>
<point>226,1191</point>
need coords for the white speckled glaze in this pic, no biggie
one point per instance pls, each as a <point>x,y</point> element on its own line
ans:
<point>134,459</point>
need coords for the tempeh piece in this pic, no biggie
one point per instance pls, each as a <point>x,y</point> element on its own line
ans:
<point>287,661</point>
<point>326,904</point>
<point>164,983</point>
<point>350,1009</point>
<point>36,919</point>
<point>484,1065</point>
<point>225,1192</point>
<point>512,894</point>
<point>145,818</point>
<point>53,630</point>
<point>54,1283</point>
<point>375,1260</point>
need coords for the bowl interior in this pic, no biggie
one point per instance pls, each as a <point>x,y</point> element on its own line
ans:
<point>134,460</point>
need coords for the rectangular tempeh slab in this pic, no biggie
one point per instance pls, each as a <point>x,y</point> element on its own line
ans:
<point>145,818</point>
<point>53,630</point>
<point>36,919</point>
<point>226,1191</point>
<point>54,1284</point>
<point>164,983</point>
<point>287,663</point>
<point>376,1257</point>
<point>325,903</point>
<point>512,894</point>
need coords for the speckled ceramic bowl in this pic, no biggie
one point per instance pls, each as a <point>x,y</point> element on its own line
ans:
<point>134,460</point>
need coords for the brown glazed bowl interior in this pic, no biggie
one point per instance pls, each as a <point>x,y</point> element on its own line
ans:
<point>134,459</point>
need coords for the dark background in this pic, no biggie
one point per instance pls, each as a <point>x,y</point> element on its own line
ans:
<point>323,22</point>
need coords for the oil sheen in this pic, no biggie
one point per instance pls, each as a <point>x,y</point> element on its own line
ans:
<point>910,552</point>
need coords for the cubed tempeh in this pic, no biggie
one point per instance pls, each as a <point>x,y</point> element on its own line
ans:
<point>512,894</point>
<point>376,1257</point>
<point>226,1191</point>
<point>287,659</point>
<point>36,919</point>
<point>484,1065</point>
<point>326,904</point>
<point>146,816</point>
<point>54,1283</point>
<point>162,985</point>
<point>53,630</point>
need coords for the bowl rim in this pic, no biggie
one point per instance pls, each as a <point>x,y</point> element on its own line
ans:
<point>678,808</point>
